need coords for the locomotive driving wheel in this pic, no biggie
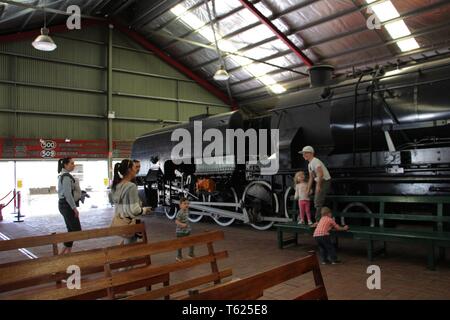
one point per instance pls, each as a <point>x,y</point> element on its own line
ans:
<point>228,195</point>
<point>259,202</point>
<point>290,206</point>
<point>171,210</point>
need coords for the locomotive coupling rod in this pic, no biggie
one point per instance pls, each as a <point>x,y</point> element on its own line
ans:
<point>220,212</point>
<point>220,204</point>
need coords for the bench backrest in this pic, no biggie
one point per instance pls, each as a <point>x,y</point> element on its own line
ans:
<point>253,287</point>
<point>382,212</point>
<point>32,276</point>
<point>110,283</point>
<point>56,238</point>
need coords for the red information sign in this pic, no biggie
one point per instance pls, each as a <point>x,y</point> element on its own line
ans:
<point>21,148</point>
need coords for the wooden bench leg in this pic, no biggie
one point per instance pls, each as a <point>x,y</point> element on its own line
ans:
<point>431,256</point>
<point>166,284</point>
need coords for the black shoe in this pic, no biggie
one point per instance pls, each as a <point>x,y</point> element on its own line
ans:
<point>336,262</point>
<point>325,262</point>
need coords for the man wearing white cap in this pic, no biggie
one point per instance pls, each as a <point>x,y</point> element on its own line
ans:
<point>317,172</point>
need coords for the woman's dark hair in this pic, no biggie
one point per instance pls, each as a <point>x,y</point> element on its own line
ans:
<point>62,162</point>
<point>120,170</point>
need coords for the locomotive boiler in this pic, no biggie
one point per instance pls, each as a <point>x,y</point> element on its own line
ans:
<point>379,134</point>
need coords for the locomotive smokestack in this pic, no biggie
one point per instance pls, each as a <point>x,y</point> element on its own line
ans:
<point>320,75</point>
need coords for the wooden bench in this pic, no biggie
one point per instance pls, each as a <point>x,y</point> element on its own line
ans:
<point>377,222</point>
<point>253,287</point>
<point>110,282</point>
<point>56,238</point>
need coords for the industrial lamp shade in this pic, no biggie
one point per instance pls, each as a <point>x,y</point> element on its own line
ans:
<point>43,42</point>
<point>221,74</point>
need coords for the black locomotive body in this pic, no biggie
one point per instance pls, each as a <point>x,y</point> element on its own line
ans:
<point>380,134</point>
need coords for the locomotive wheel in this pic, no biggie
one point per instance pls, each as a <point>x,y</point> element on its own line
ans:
<point>196,217</point>
<point>171,211</point>
<point>259,201</point>
<point>228,195</point>
<point>289,205</point>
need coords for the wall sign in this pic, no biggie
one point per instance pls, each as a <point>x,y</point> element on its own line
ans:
<point>22,148</point>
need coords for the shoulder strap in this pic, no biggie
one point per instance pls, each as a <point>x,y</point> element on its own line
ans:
<point>67,175</point>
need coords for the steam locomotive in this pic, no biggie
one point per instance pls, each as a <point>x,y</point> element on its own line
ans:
<point>379,134</point>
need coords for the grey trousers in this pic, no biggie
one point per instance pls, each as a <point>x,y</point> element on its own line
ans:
<point>319,198</point>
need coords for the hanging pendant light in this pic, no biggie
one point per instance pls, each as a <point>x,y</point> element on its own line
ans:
<point>43,42</point>
<point>221,74</point>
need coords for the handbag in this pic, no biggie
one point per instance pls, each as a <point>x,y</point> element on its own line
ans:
<point>119,222</point>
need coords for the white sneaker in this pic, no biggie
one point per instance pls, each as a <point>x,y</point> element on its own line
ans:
<point>310,223</point>
<point>301,222</point>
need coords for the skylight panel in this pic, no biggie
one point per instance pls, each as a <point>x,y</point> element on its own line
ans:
<point>257,70</point>
<point>386,11</point>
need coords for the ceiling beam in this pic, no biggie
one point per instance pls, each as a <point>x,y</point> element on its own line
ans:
<point>312,24</point>
<point>124,5</point>
<point>215,20</point>
<point>46,9</point>
<point>154,11</point>
<point>280,35</point>
<point>333,38</point>
<point>19,36</point>
<point>138,38</point>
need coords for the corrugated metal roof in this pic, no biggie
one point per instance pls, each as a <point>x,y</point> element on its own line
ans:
<point>332,32</point>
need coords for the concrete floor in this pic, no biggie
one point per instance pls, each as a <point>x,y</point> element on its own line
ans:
<point>403,270</point>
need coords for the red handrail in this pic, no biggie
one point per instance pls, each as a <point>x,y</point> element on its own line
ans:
<point>6,195</point>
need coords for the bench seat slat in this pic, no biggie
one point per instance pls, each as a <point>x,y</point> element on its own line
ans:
<point>185,285</point>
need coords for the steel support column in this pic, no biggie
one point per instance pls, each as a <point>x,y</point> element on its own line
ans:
<point>109,100</point>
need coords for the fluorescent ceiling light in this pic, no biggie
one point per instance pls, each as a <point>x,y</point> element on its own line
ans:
<point>255,69</point>
<point>386,11</point>
<point>268,81</point>
<point>408,45</point>
<point>277,88</point>
<point>398,29</point>
<point>178,10</point>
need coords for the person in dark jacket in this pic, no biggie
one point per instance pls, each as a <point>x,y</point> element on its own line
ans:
<point>67,203</point>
